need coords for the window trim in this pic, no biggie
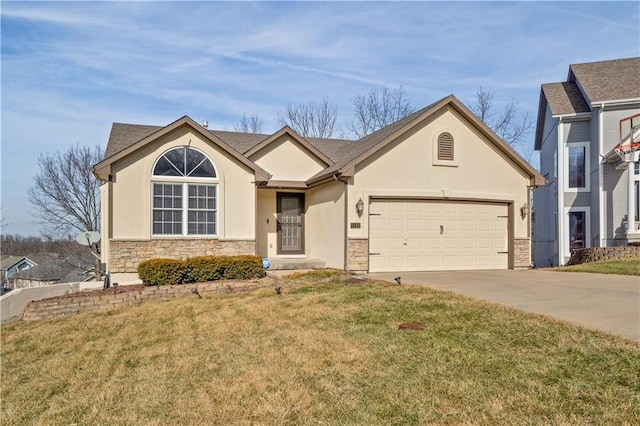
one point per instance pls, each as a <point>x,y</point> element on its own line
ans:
<point>587,167</point>
<point>185,181</point>
<point>185,208</point>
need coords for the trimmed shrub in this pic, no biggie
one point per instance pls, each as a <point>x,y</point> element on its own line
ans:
<point>200,269</point>
<point>204,268</point>
<point>242,267</point>
<point>162,271</point>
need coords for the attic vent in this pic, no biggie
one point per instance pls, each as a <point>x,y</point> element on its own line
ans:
<point>445,147</point>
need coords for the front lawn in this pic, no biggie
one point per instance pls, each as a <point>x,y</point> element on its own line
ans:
<point>326,351</point>
<point>619,267</point>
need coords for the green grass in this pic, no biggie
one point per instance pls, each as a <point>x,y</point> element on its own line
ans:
<point>326,351</point>
<point>619,267</point>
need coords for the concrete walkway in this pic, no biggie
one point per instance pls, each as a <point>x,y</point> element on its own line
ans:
<point>610,303</point>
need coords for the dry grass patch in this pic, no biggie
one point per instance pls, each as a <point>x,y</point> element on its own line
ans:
<point>328,353</point>
<point>618,267</point>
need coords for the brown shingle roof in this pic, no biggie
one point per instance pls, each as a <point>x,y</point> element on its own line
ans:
<point>353,150</point>
<point>344,153</point>
<point>124,135</point>
<point>564,98</point>
<point>608,80</point>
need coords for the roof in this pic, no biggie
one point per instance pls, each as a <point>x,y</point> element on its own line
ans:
<point>618,79</point>
<point>125,139</point>
<point>565,98</point>
<point>588,84</point>
<point>370,144</point>
<point>68,269</point>
<point>340,155</point>
<point>124,135</point>
<point>9,261</point>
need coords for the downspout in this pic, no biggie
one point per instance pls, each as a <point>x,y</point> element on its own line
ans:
<point>560,207</point>
<point>601,212</point>
<point>345,227</point>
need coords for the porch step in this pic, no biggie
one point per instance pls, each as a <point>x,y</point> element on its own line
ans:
<point>281,263</point>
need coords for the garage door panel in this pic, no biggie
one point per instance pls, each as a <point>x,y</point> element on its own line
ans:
<point>437,235</point>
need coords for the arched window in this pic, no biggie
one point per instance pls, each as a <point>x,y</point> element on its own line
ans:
<point>445,146</point>
<point>184,161</point>
<point>185,191</point>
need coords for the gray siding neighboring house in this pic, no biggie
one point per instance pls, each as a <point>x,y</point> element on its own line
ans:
<point>591,192</point>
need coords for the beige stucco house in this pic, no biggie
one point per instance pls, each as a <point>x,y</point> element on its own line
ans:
<point>437,190</point>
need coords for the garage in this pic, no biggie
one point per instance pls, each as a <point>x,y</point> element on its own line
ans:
<point>432,235</point>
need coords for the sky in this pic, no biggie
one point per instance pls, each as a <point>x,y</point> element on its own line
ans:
<point>71,69</point>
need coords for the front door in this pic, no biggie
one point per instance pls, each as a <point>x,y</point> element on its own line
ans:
<point>290,223</point>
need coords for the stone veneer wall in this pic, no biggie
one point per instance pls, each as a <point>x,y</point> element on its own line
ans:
<point>358,255</point>
<point>521,253</point>
<point>597,254</point>
<point>126,255</point>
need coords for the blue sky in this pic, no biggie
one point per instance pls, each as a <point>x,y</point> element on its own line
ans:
<point>71,69</point>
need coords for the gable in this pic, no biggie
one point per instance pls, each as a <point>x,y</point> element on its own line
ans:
<point>371,145</point>
<point>410,162</point>
<point>287,160</point>
<point>133,151</point>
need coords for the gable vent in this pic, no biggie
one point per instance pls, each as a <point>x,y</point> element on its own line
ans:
<point>445,147</point>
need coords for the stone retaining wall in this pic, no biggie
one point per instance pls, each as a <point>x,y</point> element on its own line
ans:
<point>48,309</point>
<point>597,254</point>
<point>126,255</point>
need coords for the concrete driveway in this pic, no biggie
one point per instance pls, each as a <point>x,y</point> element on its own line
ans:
<point>610,303</point>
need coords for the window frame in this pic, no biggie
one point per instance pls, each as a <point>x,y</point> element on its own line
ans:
<point>587,167</point>
<point>186,182</point>
<point>587,230</point>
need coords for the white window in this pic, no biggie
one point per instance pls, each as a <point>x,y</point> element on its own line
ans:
<point>577,169</point>
<point>185,189</point>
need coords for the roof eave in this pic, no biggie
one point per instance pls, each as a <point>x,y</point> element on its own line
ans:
<point>103,168</point>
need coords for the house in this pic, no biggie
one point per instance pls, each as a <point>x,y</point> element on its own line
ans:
<point>587,134</point>
<point>12,266</point>
<point>57,270</point>
<point>437,190</point>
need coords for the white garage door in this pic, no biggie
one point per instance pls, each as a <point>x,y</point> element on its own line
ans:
<point>436,235</point>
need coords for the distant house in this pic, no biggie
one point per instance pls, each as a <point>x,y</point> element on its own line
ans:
<point>588,132</point>
<point>11,266</point>
<point>73,268</point>
<point>436,190</point>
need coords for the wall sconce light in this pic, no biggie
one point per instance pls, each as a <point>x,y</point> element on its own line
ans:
<point>524,210</point>
<point>360,207</point>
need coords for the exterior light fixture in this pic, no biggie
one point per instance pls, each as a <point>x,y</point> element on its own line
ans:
<point>524,210</point>
<point>360,207</point>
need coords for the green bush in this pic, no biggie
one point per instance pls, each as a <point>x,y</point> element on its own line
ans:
<point>204,268</point>
<point>242,267</point>
<point>200,269</point>
<point>162,271</point>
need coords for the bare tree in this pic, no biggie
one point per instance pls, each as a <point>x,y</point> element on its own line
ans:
<point>249,124</point>
<point>315,118</point>
<point>66,195</point>
<point>379,108</point>
<point>510,124</point>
